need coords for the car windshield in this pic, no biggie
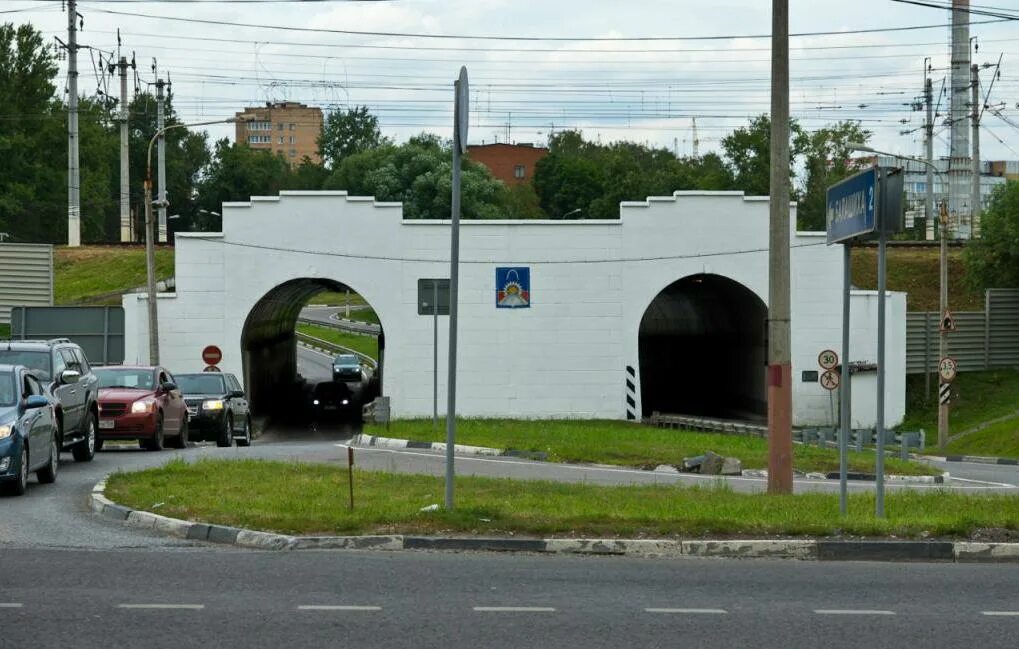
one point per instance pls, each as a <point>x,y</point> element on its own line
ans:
<point>207,383</point>
<point>8,390</point>
<point>38,361</point>
<point>346,359</point>
<point>124,378</point>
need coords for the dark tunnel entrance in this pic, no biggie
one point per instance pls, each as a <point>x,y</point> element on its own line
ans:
<point>703,350</point>
<point>271,353</point>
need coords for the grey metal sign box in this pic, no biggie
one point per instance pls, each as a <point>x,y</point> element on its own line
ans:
<point>432,293</point>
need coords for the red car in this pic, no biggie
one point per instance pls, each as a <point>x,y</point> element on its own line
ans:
<point>141,403</point>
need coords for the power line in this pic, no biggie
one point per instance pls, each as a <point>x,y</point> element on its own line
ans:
<point>561,39</point>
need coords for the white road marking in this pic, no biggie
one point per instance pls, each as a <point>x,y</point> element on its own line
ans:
<point>331,607</point>
<point>851,611</point>
<point>675,477</point>
<point>10,605</point>
<point>514,609</point>
<point>691,611</point>
<point>987,482</point>
<point>174,607</point>
<point>1001,613</point>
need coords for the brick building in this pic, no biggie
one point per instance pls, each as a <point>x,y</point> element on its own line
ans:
<point>288,127</point>
<point>511,163</point>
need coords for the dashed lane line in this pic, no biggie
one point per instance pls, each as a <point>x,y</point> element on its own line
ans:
<point>851,611</point>
<point>172,607</point>
<point>514,609</point>
<point>337,607</point>
<point>688,611</point>
<point>1001,613</point>
<point>10,605</point>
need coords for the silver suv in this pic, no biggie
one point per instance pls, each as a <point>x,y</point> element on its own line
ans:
<point>61,365</point>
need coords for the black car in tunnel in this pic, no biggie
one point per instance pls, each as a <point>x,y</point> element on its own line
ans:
<point>332,401</point>
<point>217,408</point>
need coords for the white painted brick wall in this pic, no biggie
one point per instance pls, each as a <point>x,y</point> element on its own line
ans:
<point>563,357</point>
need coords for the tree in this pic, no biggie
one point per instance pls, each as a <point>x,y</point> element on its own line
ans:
<point>348,133</point>
<point>33,184</point>
<point>826,161</point>
<point>237,172</point>
<point>992,261</point>
<point>748,150</point>
<point>419,174</point>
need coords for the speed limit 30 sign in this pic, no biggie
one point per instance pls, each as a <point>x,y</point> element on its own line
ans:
<point>828,359</point>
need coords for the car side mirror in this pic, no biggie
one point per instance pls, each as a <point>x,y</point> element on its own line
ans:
<point>68,377</point>
<point>237,394</point>
<point>36,401</point>
<point>168,386</point>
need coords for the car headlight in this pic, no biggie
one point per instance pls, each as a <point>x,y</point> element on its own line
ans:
<point>212,404</point>
<point>345,402</point>
<point>5,432</point>
<point>142,406</point>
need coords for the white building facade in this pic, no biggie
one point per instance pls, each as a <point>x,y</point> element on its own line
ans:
<point>661,310</point>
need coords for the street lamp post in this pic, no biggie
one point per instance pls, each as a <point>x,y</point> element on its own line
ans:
<point>570,213</point>
<point>943,281</point>
<point>150,252</point>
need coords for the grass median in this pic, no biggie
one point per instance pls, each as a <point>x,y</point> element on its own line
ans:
<point>628,444</point>
<point>367,345</point>
<point>296,498</point>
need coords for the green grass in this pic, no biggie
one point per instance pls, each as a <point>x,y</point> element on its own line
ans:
<point>364,315</point>
<point>5,331</point>
<point>368,345</point>
<point>332,298</point>
<point>296,498</point>
<point>997,440</point>
<point>915,270</point>
<point>626,444</point>
<point>99,274</point>
<point>982,396</point>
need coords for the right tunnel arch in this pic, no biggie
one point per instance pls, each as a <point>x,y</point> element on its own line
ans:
<point>702,347</point>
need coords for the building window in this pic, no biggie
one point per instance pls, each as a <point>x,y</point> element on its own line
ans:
<point>293,127</point>
<point>281,139</point>
<point>293,153</point>
<point>519,172</point>
<point>259,126</point>
<point>279,127</point>
<point>293,140</point>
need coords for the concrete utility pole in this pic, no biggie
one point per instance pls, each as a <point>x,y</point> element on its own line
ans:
<point>780,403</point>
<point>73,173</point>
<point>974,200</point>
<point>161,159</point>
<point>929,145</point>
<point>126,225</point>
<point>943,335</point>
<point>959,168</point>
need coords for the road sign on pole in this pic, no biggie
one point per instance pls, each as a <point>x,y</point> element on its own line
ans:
<point>945,394</point>
<point>852,206</point>
<point>947,322</point>
<point>212,355</point>
<point>828,359</point>
<point>947,369</point>
<point>830,380</point>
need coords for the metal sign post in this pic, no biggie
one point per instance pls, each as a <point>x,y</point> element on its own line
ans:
<point>859,205</point>
<point>460,115</point>
<point>845,394</point>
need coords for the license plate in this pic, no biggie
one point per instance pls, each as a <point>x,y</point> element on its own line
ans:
<point>193,412</point>
<point>107,424</point>
<point>330,407</point>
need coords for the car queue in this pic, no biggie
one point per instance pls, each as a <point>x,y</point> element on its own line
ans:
<point>52,400</point>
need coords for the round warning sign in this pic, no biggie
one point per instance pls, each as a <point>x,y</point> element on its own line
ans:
<point>830,380</point>
<point>828,359</point>
<point>947,369</point>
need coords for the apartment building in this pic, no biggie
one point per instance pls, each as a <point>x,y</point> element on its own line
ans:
<point>511,163</point>
<point>289,128</point>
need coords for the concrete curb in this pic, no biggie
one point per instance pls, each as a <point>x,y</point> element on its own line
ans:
<point>976,459</point>
<point>376,441</point>
<point>802,549</point>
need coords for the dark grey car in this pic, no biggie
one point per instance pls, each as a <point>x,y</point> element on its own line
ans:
<point>63,369</point>
<point>28,430</point>
<point>217,408</point>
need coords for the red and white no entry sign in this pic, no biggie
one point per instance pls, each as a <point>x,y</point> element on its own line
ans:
<point>212,355</point>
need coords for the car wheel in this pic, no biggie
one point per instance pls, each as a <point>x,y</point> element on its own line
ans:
<point>156,443</point>
<point>181,440</point>
<point>85,450</point>
<point>48,474</point>
<point>246,440</point>
<point>226,436</point>
<point>19,485</point>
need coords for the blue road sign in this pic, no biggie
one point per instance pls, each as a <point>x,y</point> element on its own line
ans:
<point>851,206</point>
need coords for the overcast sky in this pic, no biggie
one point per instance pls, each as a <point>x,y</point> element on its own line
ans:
<point>646,90</point>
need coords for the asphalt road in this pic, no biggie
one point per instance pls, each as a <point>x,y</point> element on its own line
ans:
<point>331,315</point>
<point>313,365</point>
<point>229,598</point>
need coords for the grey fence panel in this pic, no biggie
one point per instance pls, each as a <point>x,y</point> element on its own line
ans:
<point>1003,316</point>
<point>26,276</point>
<point>98,329</point>
<point>982,339</point>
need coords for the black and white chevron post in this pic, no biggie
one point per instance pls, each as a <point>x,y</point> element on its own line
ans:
<point>945,393</point>
<point>631,393</point>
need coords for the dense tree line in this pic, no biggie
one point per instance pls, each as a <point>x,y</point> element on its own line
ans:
<point>578,179</point>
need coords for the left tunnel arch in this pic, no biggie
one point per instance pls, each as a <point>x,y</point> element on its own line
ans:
<point>269,343</point>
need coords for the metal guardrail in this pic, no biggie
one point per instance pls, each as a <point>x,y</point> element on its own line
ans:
<point>363,328</point>
<point>331,346</point>
<point>689,422</point>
